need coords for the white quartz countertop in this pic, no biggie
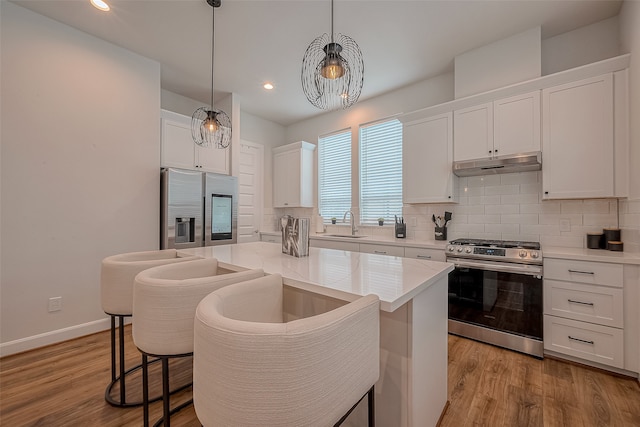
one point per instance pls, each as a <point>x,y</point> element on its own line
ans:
<point>596,255</point>
<point>338,274</point>
<point>382,240</point>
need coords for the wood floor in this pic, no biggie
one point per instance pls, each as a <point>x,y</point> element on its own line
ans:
<point>63,385</point>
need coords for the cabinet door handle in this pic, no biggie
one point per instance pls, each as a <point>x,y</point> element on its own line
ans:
<point>580,302</point>
<point>581,272</point>
<point>579,340</point>
<point>424,256</point>
<point>380,252</point>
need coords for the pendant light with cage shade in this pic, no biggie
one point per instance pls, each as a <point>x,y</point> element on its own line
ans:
<point>332,71</point>
<point>211,127</point>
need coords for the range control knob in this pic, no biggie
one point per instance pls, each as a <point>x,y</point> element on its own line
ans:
<point>459,249</point>
<point>535,254</point>
<point>451,248</point>
<point>467,250</point>
<point>522,253</point>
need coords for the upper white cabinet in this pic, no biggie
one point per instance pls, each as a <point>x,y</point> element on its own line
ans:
<point>427,151</point>
<point>293,175</point>
<point>502,127</point>
<point>578,139</point>
<point>179,150</point>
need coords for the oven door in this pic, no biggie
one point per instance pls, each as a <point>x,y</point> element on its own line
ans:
<point>501,296</point>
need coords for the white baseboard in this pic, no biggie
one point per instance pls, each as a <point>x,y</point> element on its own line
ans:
<point>53,337</point>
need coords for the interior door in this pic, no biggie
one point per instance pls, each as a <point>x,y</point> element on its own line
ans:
<point>250,190</point>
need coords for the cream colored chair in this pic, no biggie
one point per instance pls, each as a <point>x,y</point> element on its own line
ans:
<point>116,288</point>
<point>252,369</point>
<point>164,305</point>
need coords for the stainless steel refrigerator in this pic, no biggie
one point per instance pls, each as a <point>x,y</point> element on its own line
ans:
<point>197,209</point>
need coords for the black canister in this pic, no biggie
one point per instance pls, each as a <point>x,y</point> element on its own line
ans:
<point>595,241</point>
<point>611,235</point>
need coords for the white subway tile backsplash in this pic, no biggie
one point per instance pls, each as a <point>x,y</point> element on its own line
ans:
<point>510,207</point>
<point>571,206</point>
<point>502,189</point>
<point>519,198</point>
<point>527,219</point>
<point>530,188</point>
<point>484,219</point>
<point>472,191</point>
<point>502,228</point>
<point>502,209</point>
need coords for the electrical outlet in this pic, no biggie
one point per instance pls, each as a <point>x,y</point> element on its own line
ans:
<point>55,304</point>
<point>565,224</point>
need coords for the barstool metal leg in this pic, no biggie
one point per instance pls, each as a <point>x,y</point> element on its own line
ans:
<point>145,390</point>
<point>371,407</point>
<point>123,398</point>
<point>166,392</point>
<point>113,348</point>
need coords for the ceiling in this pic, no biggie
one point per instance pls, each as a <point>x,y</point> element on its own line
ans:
<point>402,42</point>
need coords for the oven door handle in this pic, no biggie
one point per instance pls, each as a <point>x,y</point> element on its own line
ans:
<point>529,270</point>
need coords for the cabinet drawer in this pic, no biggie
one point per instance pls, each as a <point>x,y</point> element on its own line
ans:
<point>420,253</point>
<point>381,249</point>
<point>334,244</point>
<point>601,344</point>
<point>271,238</point>
<point>595,273</point>
<point>589,303</point>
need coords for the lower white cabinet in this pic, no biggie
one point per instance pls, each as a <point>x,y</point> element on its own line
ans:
<point>423,253</point>
<point>335,244</point>
<point>271,238</point>
<point>370,248</point>
<point>588,341</point>
<point>584,314</point>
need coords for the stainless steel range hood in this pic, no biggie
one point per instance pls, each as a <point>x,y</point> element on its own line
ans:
<point>506,164</point>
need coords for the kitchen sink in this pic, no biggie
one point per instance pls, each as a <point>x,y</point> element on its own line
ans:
<point>345,235</point>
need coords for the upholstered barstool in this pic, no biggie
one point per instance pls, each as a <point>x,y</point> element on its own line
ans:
<point>252,369</point>
<point>116,289</point>
<point>164,305</point>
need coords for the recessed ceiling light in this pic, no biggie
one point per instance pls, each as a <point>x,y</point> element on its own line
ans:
<point>100,4</point>
<point>267,86</point>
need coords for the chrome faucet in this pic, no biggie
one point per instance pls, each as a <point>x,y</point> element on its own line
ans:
<point>354,229</point>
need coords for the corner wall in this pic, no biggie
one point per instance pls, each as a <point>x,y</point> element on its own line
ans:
<point>630,42</point>
<point>80,155</point>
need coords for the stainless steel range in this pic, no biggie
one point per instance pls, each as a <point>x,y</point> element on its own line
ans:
<point>495,293</point>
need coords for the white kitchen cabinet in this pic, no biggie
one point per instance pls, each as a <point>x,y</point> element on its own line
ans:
<point>584,314</point>
<point>271,238</point>
<point>179,151</point>
<point>503,127</point>
<point>424,253</point>
<point>334,244</point>
<point>293,175</point>
<point>427,157</point>
<point>473,130</point>
<point>372,248</point>
<point>578,139</point>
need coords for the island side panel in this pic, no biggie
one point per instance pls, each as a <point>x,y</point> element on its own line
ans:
<point>428,351</point>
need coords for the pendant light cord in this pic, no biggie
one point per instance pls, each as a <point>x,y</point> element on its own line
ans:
<point>213,34</point>
<point>331,21</point>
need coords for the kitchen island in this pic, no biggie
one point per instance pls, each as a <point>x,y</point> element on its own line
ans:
<point>412,389</point>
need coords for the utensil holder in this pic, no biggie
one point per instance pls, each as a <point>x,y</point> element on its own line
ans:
<point>401,230</point>
<point>441,233</point>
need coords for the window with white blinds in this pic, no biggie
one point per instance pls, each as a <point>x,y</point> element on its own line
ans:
<point>380,171</point>
<point>334,174</point>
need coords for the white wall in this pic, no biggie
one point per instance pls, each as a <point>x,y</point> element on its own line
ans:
<point>80,155</point>
<point>581,46</point>
<point>630,42</point>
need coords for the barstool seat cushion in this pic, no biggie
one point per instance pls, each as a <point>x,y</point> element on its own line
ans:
<point>251,369</point>
<point>119,271</point>
<point>165,300</point>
